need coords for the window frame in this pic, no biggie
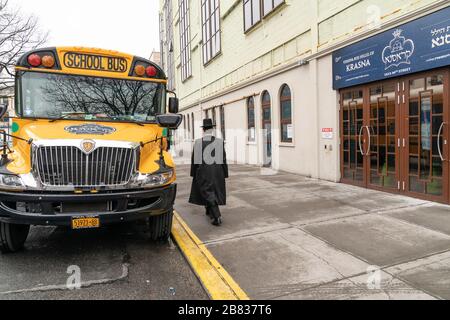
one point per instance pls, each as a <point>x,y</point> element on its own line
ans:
<point>274,7</point>
<point>251,125</point>
<point>193,126</point>
<point>262,15</point>
<point>284,121</point>
<point>210,32</point>
<point>189,127</point>
<point>253,23</point>
<point>222,122</point>
<point>214,116</point>
<point>185,40</point>
<point>162,33</point>
<point>169,32</point>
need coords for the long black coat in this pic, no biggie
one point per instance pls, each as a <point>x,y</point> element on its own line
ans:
<point>209,169</point>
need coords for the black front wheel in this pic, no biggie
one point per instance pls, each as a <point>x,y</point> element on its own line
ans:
<point>12,237</point>
<point>161,226</point>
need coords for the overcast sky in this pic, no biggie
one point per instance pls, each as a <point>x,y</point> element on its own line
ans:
<point>129,26</point>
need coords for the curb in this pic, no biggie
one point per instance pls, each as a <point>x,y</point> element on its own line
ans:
<point>215,279</point>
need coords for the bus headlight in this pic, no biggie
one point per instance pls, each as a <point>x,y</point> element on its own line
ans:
<point>154,180</point>
<point>11,182</point>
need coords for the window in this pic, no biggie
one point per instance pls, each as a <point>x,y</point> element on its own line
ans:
<point>45,95</point>
<point>184,126</point>
<point>162,32</point>
<point>210,29</point>
<point>168,17</point>
<point>252,13</point>
<point>185,40</point>
<point>189,127</point>
<point>255,10</point>
<point>270,5</point>
<point>222,122</point>
<point>193,126</point>
<point>286,114</point>
<point>214,117</point>
<point>266,106</point>
<point>251,119</point>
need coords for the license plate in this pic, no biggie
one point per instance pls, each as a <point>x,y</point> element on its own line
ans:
<point>85,223</point>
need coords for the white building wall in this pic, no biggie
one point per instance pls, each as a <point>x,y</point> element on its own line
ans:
<point>273,54</point>
<point>328,114</point>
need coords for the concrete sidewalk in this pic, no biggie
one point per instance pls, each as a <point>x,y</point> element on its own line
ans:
<point>289,237</point>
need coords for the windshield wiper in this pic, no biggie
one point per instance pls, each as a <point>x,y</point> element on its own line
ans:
<point>108,118</point>
<point>63,117</point>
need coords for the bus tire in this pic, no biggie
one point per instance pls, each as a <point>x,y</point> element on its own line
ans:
<point>161,226</point>
<point>13,237</point>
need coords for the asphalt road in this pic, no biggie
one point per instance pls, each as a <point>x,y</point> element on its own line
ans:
<point>117,262</point>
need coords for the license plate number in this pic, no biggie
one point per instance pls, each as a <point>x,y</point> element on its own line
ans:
<point>85,223</point>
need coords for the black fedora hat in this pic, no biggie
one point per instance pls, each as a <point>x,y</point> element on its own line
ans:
<point>208,124</point>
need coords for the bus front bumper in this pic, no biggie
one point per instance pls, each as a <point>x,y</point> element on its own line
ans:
<point>124,206</point>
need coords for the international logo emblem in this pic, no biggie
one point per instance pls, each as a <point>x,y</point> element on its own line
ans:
<point>87,146</point>
<point>399,51</point>
<point>90,129</point>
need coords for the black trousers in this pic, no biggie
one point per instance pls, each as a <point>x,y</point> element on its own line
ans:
<point>213,211</point>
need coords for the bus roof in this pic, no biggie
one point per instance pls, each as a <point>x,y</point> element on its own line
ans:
<point>90,62</point>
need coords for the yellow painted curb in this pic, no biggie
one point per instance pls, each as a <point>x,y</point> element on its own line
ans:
<point>214,278</point>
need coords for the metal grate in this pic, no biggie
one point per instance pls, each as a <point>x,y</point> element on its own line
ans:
<point>69,166</point>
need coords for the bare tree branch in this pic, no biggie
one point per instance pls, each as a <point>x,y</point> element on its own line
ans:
<point>18,34</point>
<point>114,98</point>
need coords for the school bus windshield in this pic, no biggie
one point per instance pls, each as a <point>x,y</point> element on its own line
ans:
<point>59,96</point>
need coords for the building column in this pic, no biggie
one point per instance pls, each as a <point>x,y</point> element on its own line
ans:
<point>313,75</point>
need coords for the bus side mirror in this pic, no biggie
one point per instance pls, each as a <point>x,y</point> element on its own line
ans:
<point>173,105</point>
<point>3,110</point>
<point>169,121</point>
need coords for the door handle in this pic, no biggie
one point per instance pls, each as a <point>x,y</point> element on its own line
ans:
<point>360,140</point>
<point>439,141</point>
<point>370,142</point>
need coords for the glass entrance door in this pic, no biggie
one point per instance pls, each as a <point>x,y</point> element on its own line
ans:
<point>383,130</point>
<point>395,136</point>
<point>426,137</point>
<point>354,135</point>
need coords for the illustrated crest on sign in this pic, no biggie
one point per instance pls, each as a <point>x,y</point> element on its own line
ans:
<point>399,51</point>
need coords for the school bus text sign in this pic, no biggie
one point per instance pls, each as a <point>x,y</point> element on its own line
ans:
<point>84,61</point>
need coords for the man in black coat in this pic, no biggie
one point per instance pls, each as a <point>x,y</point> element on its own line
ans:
<point>209,169</point>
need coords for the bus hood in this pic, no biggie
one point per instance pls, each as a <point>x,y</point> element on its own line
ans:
<point>39,130</point>
<point>45,130</point>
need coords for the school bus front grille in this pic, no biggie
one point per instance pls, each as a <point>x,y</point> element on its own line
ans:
<point>69,166</point>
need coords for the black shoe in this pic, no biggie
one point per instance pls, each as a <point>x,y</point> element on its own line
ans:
<point>217,222</point>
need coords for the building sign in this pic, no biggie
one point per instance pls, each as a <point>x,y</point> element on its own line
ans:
<point>290,131</point>
<point>327,133</point>
<point>420,45</point>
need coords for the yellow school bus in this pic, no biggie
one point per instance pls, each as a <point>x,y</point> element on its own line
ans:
<point>89,144</point>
